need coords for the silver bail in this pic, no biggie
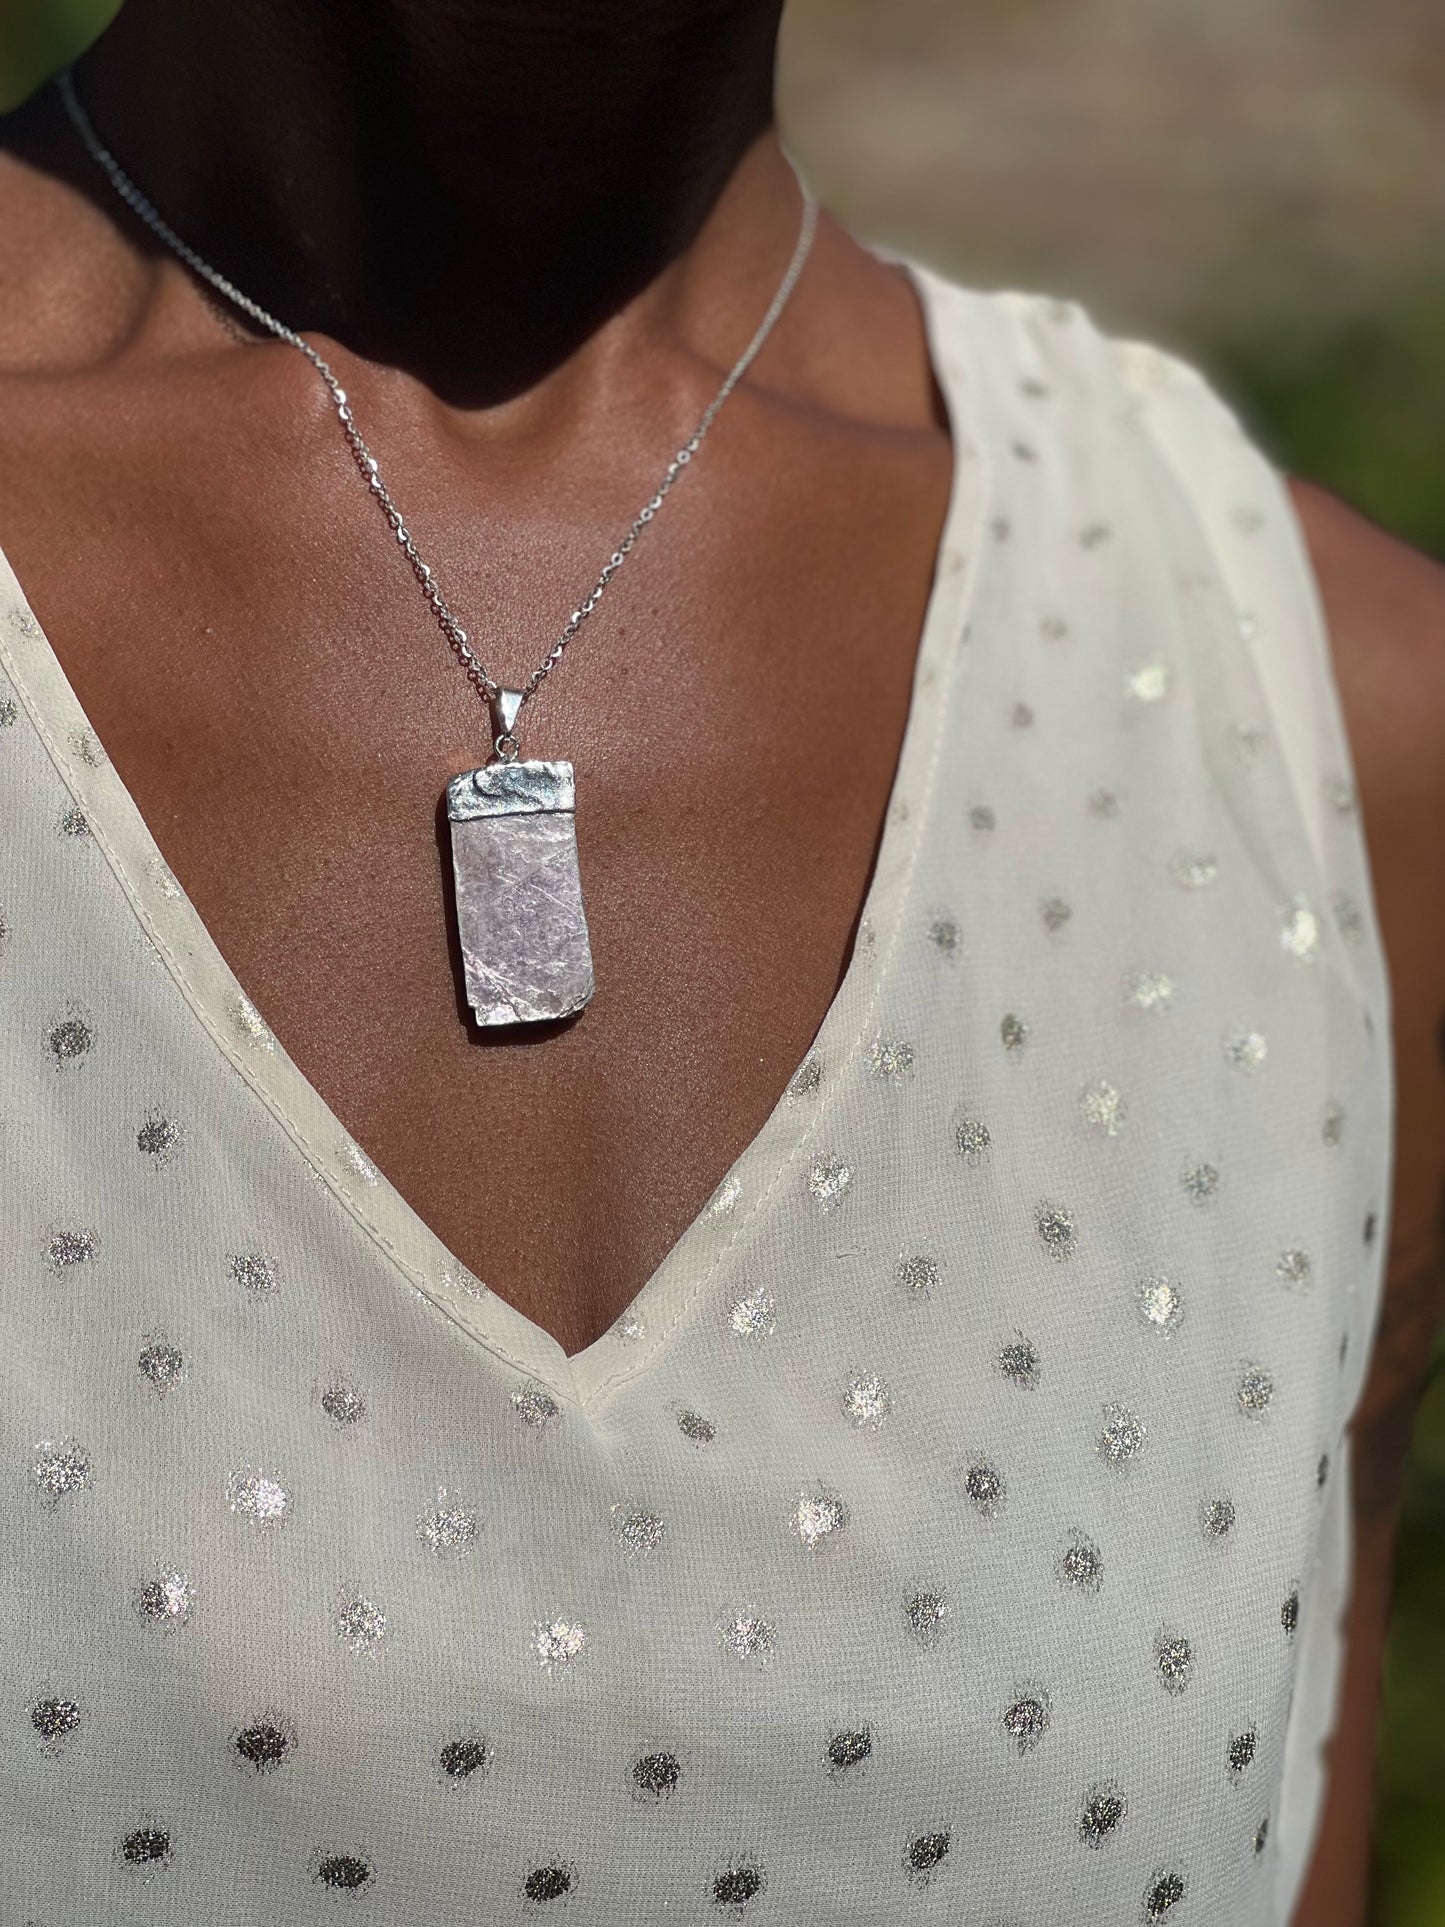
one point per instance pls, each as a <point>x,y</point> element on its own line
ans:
<point>506,706</point>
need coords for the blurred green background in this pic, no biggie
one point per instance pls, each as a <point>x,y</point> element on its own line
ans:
<point>1259,184</point>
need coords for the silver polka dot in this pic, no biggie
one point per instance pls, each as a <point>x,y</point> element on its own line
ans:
<point>1094,534</point>
<point>693,1426</point>
<point>1340,794</point>
<point>1349,917</point>
<point>145,1849</point>
<point>164,880</point>
<point>1246,1050</point>
<point>733,1887</point>
<point>354,1159</point>
<point>926,1614</point>
<point>746,1636</point>
<point>1121,1437</point>
<point>343,1404</point>
<point>1103,1812</point>
<point>1026,1720</point>
<point>344,1872</point>
<point>535,1407</point>
<point>867,1401</point>
<point>1216,1518</point>
<point>449,1528</point>
<point>827,1181</point>
<point>1151,990</point>
<point>890,1059</point>
<point>259,1496</point>
<point>1250,742</point>
<point>1160,1304</point>
<point>69,1040</point>
<point>360,1624</point>
<point>638,1529</point>
<point>754,1315</point>
<point>1054,913</point>
<point>971,1138</point>
<point>265,1743</point>
<point>1254,1392</point>
<point>917,1275</point>
<point>1332,1126</point>
<point>1173,1661</point>
<point>724,1200</point>
<point>1081,1564</point>
<point>818,1516</point>
<point>943,935</point>
<point>257,1274</point>
<point>806,1078</point>
<point>166,1599</point>
<point>1019,1361</point>
<point>1242,1749</point>
<point>1055,1226</point>
<point>1104,802</point>
<point>1200,1182</point>
<point>69,1248</point>
<point>60,1469</point>
<point>656,1775</point>
<point>1194,869</point>
<point>54,1720</point>
<point>1289,1612</point>
<point>983,1483</point>
<point>252,1025</point>
<point>159,1137</point>
<point>8,712</point>
<point>73,823</point>
<point>1299,934</point>
<point>982,817</point>
<point>848,1750</point>
<point>1102,1108</point>
<point>925,1854</point>
<point>85,745</point>
<point>558,1644</point>
<point>1294,1270</point>
<point>160,1363</point>
<point>1163,1893</point>
<point>1013,1032</point>
<point>1147,682</point>
<point>1022,716</point>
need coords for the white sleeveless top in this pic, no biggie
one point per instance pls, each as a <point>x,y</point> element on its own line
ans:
<point>954,1528</point>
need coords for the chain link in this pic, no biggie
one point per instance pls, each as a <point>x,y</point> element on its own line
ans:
<point>486,687</point>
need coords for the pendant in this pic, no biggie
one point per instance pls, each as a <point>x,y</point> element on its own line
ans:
<point>520,920</point>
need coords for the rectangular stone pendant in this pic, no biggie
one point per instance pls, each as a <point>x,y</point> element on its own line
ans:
<point>519,895</point>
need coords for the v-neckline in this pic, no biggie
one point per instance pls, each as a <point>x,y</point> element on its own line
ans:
<point>239,1031</point>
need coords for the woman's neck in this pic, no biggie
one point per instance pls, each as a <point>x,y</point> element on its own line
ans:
<point>465,189</point>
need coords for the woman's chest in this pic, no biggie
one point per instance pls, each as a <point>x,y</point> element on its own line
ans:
<point>255,660</point>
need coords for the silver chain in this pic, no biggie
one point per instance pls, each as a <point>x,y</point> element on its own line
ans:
<point>486,687</point>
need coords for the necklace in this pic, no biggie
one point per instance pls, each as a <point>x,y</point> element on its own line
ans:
<point>520,920</point>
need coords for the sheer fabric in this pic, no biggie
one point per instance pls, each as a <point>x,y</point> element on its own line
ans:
<point>954,1528</point>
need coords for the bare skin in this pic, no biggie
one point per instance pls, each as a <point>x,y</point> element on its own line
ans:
<point>184,517</point>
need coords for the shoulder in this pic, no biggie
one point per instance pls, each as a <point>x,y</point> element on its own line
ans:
<point>1359,614</point>
<point>1384,606</point>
